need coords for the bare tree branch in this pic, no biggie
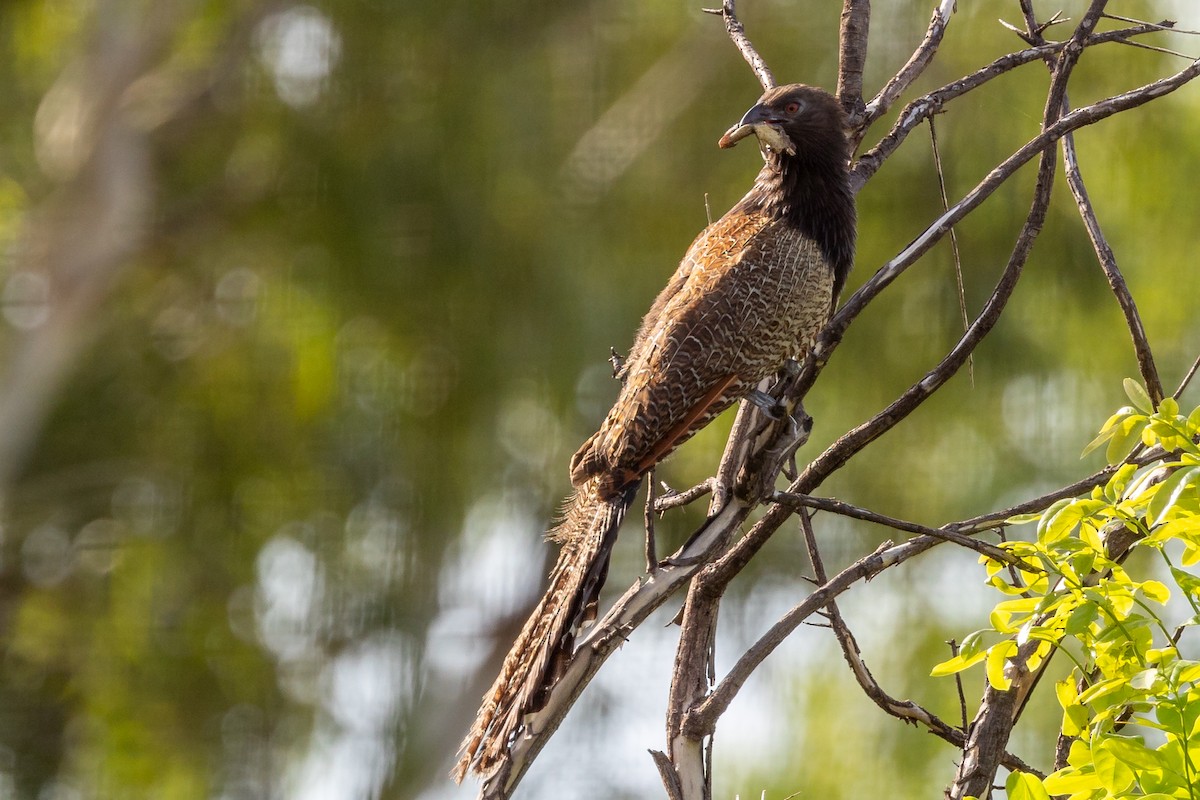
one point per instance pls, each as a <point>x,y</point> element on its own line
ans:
<point>852,56</point>
<point>927,105</point>
<point>946,533</point>
<point>908,73</point>
<point>905,710</point>
<point>673,499</point>
<point>1108,263</point>
<point>737,34</point>
<point>1187,378</point>
<point>958,271</point>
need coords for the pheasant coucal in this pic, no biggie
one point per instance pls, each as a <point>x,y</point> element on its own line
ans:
<point>752,291</point>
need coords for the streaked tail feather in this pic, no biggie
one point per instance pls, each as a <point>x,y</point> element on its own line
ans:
<point>544,647</point>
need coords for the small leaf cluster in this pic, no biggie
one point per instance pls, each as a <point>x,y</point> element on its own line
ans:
<point>1131,705</point>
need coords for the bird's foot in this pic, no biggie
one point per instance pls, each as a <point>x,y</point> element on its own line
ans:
<point>618,362</point>
<point>767,404</point>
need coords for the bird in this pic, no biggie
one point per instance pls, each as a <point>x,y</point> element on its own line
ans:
<point>751,293</point>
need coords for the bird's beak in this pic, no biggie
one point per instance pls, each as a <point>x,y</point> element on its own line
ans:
<point>762,123</point>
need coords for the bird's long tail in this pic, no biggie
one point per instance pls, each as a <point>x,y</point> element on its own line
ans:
<point>543,649</point>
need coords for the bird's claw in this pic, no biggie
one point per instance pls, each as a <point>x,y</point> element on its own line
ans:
<point>767,404</point>
<point>617,360</point>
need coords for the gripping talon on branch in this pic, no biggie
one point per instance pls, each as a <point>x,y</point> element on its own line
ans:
<point>618,362</point>
<point>767,404</point>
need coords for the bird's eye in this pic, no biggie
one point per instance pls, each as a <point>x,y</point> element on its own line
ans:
<point>793,107</point>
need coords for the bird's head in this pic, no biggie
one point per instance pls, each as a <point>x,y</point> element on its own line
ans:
<point>788,119</point>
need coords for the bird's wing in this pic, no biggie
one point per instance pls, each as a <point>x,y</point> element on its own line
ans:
<point>755,293</point>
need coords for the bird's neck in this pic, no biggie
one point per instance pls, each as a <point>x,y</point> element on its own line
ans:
<point>812,192</point>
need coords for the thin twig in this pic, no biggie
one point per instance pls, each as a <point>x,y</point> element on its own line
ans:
<point>927,105</point>
<point>958,273</point>
<point>1156,49</point>
<point>1168,25</point>
<point>674,499</point>
<point>996,519</point>
<point>908,73</point>
<point>737,34</point>
<point>802,501</point>
<point>1187,378</point>
<point>958,684</point>
<point>1108,263</point>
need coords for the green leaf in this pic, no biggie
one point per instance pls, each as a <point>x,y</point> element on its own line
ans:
<point>1171,720</point>
<point>1180,527</point>
<point>1115,488</point>
<point>1049,514</point>
<point>1023,786</point>
<point>956,664</point>
<point>1144,680</point>
<point>1186,581</point>
<point>1127,433</point>
<point>1075,721</point>
<point>1100,689</point>
<point>1060,525</point>
<point>1066,691</point>
<point>1072,780</point>
<point>1168,493</point>
<point>1156,591</point>
<point>1108,429</point>
<point>1132,752</point>
<point>1138,396</point>
<point>1193,420</point>
<point>1081,618</point>
<point>996,658</point>
<point>1187,671</point>
<point>972,643</point>
<point>1114,774</point>
<point>1080,755</point>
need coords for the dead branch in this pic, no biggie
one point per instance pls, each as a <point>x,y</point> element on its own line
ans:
<point>1187,378</point>
<point>852,56</point>
<point>672,499</point>
<point>801,501</point>
<point>958,271</point>
<point>932,103</point>
<point>1108,263</point>
<point>737,34</point>
<point>908,73</point>
<point>905,710</point>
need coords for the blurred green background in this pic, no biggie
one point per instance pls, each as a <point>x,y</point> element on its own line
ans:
<point>305,308</point>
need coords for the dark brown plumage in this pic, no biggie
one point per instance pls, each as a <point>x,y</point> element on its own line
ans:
<point>752,291</point>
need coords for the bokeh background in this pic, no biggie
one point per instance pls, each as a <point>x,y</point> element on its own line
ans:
<point>305,307</point>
